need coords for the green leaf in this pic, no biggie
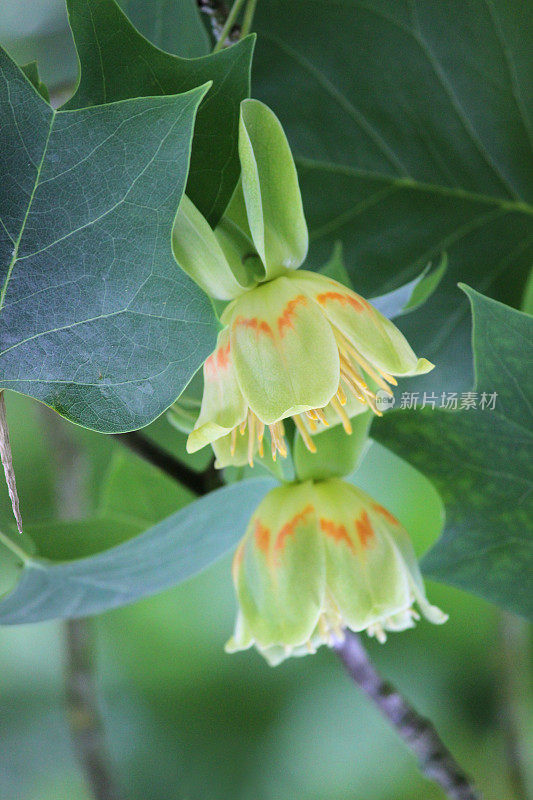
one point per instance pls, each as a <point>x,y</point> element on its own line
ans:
<point>480,462</point>
<point>117,63</point>
<point>412,129</point>
<point>400,301</point>
<point>335,268</point>
<point>411,295</point>
<point>96,319</point>
<point>113,563</point>
<point>31,71</point>
<point>172,25</point>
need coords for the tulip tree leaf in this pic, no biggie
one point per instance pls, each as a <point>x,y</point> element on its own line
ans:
<point>117,63</point>
<point>127,551</point>
<point>173,25</point>
<point>480,462</point>
<point>412,128</point>
<point>96,319</point>
<point>400,301</point>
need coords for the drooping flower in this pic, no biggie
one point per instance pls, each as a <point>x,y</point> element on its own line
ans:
<point>317,558</point>
<point>295,343</point>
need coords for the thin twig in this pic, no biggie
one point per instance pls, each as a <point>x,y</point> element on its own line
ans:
<point>217,11</point>
<point>7,463</point>
<point>248,18</point>
<point>515,691</point>
<point>83,714</point>
<point>80,684</point>
<point>436,762</point>
<point>228,25</point>
<point>198,482</point>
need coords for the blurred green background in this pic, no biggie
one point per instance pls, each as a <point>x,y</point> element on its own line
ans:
<point>185,720</point>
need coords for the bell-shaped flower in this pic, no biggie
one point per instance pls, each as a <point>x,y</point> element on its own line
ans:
<point>317,558</point>
<point>295,343</point>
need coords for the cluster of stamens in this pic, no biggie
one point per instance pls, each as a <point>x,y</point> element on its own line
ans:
<point>351,379</point>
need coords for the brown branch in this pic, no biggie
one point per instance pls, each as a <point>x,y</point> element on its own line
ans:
<point>435,760</point>
<point>86,728</point>
<point>82,708</point>
<point>199,483</point>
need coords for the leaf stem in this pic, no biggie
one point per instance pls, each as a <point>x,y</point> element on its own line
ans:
<point>435,761</point>
<point>228,25</point>
<point>248,18</point>
<point>14,548</point>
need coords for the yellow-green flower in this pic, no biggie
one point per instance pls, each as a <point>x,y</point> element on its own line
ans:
<point>295,343</point>
<point>317,558</point>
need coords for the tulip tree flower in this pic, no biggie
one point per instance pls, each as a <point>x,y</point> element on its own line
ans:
<point>319,557</point>
<point>294,343</point>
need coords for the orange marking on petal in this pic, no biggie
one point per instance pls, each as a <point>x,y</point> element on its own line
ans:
<point>344,299</point>
<point>290,527</point>
<point>286,319</point>
<point>223,356</point>
<point>258,325</point>
<point>262,536</point>
<point>219,360</point>
<point>364,529</point>
<point>384,513</point>
<point>337,532</point>
<point>237,561</point>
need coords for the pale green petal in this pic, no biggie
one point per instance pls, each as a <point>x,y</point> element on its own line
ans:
<point>223,405</point>
<point>199,254</point>
<point>279,571</point>
<point>271,191</point>
<point>284,350</point>
<point>376,338</point>
<point>365,575</point>
<point>401,540</point>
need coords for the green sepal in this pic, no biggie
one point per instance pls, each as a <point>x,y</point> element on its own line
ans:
<point>271,191</point>
<point>199,254</point>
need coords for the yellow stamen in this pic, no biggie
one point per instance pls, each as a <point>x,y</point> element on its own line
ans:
<point>242,427</point>
<point>342,414</point>
<point>389,378</point>
<point>354,389</point>
<point>348,368</point>
<point>321,416</point>
<point>251,437</point>
<point>341,396</point>
<point>260,434</point>
<point>373,374</point>
<point>304,433</point>
<point>233,441</point>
